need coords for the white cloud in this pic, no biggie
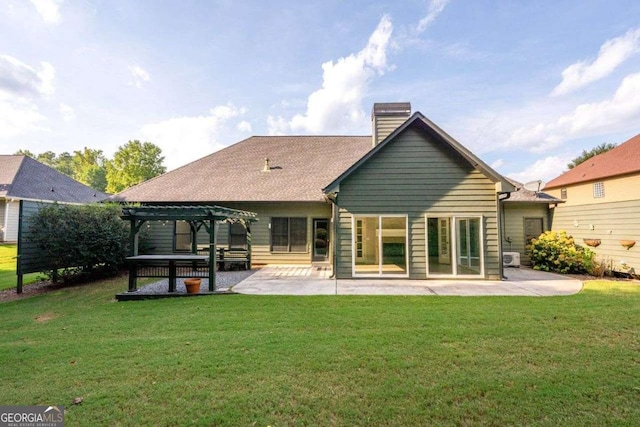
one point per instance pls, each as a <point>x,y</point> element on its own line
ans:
<point>545,169</point>
<point>497,164</point>
<point>244,126</point>
<point>140,75</point>
<point>612,53</point>
<point>337,106</point>
<point>48,9</point>
<point>435,8</point>
<point>20,79</point>
<point>277,125</point>
<point>185,139</point>
<point>615,114</point>
<point>18,117</point>
<point>68,113</point>
<point>21,87</point>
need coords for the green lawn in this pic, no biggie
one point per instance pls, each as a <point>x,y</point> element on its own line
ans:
<point>270,360</point>
<point>8,276</point>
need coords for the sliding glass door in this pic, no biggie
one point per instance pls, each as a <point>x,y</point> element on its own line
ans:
<point>454,246</point>
<point>380,245</point>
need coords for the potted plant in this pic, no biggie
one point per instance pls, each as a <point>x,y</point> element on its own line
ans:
<point>628,243</point>
<point>192,285</point>
<point>592,242</point>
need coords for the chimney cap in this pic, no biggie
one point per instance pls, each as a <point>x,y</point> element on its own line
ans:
<point>391,109</point>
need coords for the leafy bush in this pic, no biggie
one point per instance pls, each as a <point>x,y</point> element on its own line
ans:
<point>558,252</point>
<point>81,239</point>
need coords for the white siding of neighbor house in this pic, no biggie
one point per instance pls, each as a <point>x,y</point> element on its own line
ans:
<point>616,189</point>
<point>3,219</point>
<point>608,222</point>
<point>11,216</point>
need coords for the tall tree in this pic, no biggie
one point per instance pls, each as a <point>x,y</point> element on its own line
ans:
<point>586,155</point>
<point>27,153</point>
<point>89,167</point>
<point>132,164</point>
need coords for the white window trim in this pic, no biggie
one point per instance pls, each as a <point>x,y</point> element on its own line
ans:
<point>454,247</point>
<point>353,246</point>
<point>599,193</point>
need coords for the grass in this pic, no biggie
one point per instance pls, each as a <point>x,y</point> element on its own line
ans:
<point>271,360</point>
<point>8,278</point>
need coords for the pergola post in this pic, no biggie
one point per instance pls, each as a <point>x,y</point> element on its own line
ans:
<point>247,226</point>
<point>212,255</point>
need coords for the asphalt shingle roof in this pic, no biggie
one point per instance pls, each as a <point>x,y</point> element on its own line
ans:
<point>25,178</point>
<point>622,160</point>
<point>299,168</point>
<point>523,195</point>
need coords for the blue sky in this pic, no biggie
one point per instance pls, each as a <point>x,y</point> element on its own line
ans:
<point>526,85</point>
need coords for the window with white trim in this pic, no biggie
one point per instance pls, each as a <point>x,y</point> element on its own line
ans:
<point>598,190</point>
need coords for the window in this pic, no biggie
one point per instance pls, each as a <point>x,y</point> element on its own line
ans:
<point>563,193</point>
<point>182,236</point>
<point>598,189</point>
<point>288,234</point>
<point>237,236</point>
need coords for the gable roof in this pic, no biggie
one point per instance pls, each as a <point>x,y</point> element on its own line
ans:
<point>417,119</point>
<point>299,167</point>
<point>22,177</point>
<point>622,160</point>
<point>523,195</point>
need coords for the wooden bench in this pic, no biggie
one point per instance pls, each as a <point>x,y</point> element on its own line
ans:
<point>227,258</point>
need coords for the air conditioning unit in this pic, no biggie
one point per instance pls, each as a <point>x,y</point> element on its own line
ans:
<point>511,259</point>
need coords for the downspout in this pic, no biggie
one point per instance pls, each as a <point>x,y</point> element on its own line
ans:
<point>334,235</point>
<point>501,228</point>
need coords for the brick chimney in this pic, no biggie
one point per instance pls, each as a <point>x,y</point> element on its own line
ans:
<point>387,117</point>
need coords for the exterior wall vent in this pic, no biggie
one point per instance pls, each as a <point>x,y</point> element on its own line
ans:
<point>387,117</point>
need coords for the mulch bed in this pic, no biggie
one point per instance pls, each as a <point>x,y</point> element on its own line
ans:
<point>30,290</point>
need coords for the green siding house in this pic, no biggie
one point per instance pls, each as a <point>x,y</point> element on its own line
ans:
<point>418,205</point>
<point>408,201</point>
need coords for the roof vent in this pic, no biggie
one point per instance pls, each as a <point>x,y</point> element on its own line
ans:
<point>266,167</point>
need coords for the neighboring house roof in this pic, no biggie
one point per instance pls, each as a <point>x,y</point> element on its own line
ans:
<point>523,195</point>
<point>417,119</point>
<point>22,177</point>
<point>622,160</point>
<point>299,167</point>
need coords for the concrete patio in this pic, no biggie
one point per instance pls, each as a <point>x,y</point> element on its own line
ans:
<point>312,280</point>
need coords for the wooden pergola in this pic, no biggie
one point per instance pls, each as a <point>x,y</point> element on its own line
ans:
<point>197,216</point>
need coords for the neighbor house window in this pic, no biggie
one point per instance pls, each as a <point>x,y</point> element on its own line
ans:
<point>563,193</point>
<point>598,189</point>
<point>288,234</point>
<point>182,236</point>
<point>237,236</point>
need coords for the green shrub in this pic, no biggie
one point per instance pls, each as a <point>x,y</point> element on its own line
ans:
<point>79,240</point>
<point>558,252</point>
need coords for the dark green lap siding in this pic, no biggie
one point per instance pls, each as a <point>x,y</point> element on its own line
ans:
<point>419,177</point>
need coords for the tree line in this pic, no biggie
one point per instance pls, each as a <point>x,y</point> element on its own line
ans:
<point>132,164</point>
